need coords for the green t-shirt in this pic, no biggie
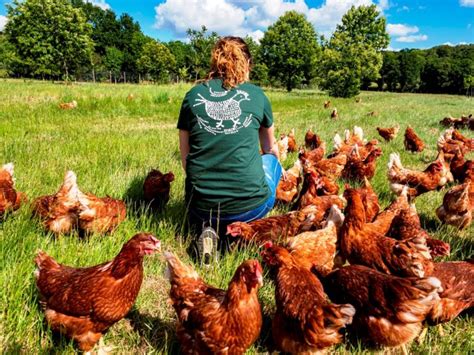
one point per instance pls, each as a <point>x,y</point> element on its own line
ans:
<point>224,167</point>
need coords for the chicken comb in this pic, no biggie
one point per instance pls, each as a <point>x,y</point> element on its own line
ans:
<point>267,245</point>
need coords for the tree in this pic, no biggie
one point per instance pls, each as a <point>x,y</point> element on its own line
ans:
<point>201,47</point>
<point>353,54</point>
<point>113,61</point>
<point>182,54</point>
<point>156,61</point>
<point>411,67</point>
<point>390,72</point>
<point>50,36</point>
<point>290,50</point>
<point>7,57</point>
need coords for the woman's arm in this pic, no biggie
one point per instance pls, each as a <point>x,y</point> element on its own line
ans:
<point>267,141</point>
<point>184,146</point>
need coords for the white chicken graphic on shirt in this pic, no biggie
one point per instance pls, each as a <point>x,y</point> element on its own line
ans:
<point>221,111</point>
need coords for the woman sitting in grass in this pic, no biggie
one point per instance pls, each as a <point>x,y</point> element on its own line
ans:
<point>222,123</point>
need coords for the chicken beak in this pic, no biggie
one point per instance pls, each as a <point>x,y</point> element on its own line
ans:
<point>153,246</point>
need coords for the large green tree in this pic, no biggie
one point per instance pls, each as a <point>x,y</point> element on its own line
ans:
<point>156,61</point>
<point>51,37</point>
<point>353,54</point>
<point>201,43</point>
<point>290,50</point>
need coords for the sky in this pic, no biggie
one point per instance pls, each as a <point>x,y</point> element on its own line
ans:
<point>411,24</point>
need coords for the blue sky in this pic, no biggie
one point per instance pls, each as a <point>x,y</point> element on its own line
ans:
<point>411,24</point>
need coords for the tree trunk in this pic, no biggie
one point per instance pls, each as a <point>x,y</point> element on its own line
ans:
<point>124,77</point>
<point>93,75</point>
<point>110,76</point>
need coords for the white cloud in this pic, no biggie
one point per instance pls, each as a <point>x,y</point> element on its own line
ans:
<point>99,3</point>
<point>248,17</point>
<point>399,29</point>
<point>454,44</point>
<point>403,8</point>
<point>412,38</point>
<point>467,3</point>
<point>3,22</point>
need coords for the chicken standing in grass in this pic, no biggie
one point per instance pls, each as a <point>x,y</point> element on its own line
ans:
<point>60,212</point>
<point>156,188</point>
<point>68,105</point>
<point>334,114</point>
<point>305,321</point>
<point>388,133</point>
<point>390,310</point>
<point>83,303</point>
<point>10,199</point>
<point>458,206</point>
<point>412,142</point>
<point>211,320</point>
<point>287,189</point>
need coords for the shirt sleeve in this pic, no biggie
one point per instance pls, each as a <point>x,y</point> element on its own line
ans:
<point>185,115</point>
<point>267,113</point>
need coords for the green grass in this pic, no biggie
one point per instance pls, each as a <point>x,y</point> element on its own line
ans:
<point>111,143</point>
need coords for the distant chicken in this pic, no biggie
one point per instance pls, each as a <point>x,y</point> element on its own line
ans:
<point>10,199</point>
<point>373,114</point>
<point>317,248</point>
<point>406,225</point>
<point>287,189</point>
<point>388,133</point>
<point>130,97</point>
<point>327,104</point>
<point>312,140</point>
<point>412,142</point>
<point>83,303</point>
<point>68,105</point>
<point>305,321</point>
<point>211,320</point>
<point>334,114</point>
<point>358,168</point>
<point>156,188</point>
<point>449,146</point>
<point>390,310</point>
<point>361,243</point>
<point>457,281</point>
<point>60,212</point>
<point>100,214</point>
<point>458,206</point>
<point>274,227</point>
<point>283,148</point>
<point>435,176</point>
<point>292,141</point>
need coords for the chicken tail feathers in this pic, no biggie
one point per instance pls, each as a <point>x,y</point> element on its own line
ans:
<point>9,168</point>
<point>177,271</point>
<point>335,216</point>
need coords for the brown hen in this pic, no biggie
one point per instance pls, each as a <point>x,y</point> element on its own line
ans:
<point>211,320</point>
<point>156,188</point>
<point>274,227</point>
<point>362,243</point>
<point>457,280</point>
<point>60,212</point>
<point>305,321</point>
<point>359,168</point>
<point>82,303</point>
<point>287,188</point>
<point>312,140</point>
<point>10,199</point>
<point>435,176</point>
<point>318,248</point>
<point>458,206</point>
<point>412,142</point>
<point>388,133</point>
<point>390,310</point>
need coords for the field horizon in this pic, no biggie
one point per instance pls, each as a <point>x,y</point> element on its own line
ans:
<point>111,142</point>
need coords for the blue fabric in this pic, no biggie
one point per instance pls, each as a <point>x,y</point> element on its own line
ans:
<point>272,169</point>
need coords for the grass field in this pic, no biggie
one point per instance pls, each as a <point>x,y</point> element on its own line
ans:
<point>111,143</point>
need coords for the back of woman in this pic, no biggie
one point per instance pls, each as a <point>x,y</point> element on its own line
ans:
<point>221,123</point>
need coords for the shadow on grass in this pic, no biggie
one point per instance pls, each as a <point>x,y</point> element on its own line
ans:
<point>158,333</point>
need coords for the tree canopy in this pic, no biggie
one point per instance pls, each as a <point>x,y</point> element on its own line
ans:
<point>353,54</point>
<point>50,37</point>
<point>290,50</point>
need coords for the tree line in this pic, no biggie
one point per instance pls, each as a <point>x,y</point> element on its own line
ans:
<point>75,40</point>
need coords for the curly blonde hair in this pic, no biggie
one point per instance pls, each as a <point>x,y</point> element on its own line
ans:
<point>230,61</point>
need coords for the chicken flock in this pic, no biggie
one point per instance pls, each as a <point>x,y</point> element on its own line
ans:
<point>337,259</point>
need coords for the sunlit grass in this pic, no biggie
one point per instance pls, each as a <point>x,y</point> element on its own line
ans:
<point>111,143</point>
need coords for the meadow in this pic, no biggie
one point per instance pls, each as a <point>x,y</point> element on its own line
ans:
<point>111,143</point>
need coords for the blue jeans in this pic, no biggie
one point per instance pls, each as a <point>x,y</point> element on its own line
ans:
<point>272,169</point>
